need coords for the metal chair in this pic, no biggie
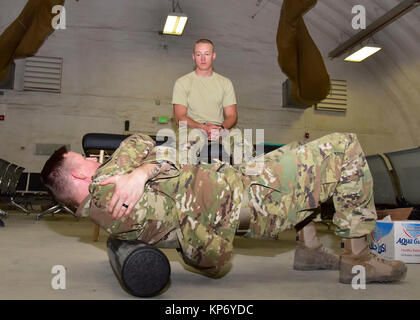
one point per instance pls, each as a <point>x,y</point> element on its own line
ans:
<point>12,189</point>
<point>7,175</point>
<point>10,175</point>
<point>35,185</point>
<point>58,207</point>
<point>3,168</point>
<point>3,165</point>
<point>30,188</point>
<point>406,165</point>
<point>385,190</point>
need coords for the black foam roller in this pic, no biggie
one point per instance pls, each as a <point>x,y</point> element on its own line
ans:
<point>143,270</point>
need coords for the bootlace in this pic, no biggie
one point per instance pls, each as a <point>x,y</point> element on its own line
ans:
<point>377,258</point>
<point>324,249</point>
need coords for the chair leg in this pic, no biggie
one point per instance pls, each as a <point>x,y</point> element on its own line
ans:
<point>68,210</point>
<point>3,213</point>
<point>56,209</point>
<point>53,209</point>
<point>19,206</point>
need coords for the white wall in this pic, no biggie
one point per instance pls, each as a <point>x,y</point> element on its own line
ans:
<point>117,67</point>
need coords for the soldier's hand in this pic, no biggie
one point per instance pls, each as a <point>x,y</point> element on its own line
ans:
<point>213,131</point>
<point>128,190</point>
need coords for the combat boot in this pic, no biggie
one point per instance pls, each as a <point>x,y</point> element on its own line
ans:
<point>357,253</point>
<point>310,254</point>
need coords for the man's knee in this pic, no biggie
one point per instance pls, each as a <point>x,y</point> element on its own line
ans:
<point>209,267</point>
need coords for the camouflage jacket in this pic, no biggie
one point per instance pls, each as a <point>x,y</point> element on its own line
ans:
<point>199,203</point>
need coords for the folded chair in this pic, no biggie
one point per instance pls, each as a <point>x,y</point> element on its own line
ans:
<point>406,170</point>
<point>9,177</point>
<point>385,191</point>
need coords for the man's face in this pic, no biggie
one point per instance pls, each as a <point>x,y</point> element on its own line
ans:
<point>85,166</point>
<point>204,56</point>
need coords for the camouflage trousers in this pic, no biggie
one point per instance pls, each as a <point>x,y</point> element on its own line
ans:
<point>332,166</point>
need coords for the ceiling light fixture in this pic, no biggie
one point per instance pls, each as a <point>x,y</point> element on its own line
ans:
<point>175,22</point>
<point>362,54</point>
<point>402,8</point>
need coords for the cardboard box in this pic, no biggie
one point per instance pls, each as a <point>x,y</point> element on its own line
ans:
<point>397,240</point>
<point>397,214</point>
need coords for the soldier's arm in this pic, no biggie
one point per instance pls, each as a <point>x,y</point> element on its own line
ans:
<point>133,151</point>
<point>130,187</point>
<point>231,116</point>
<point>180,112</point>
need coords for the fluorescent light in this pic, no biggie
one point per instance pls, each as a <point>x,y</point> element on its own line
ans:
<point>181,25</point>
<point>362,54</point>
<point>169,24</point>
<point>175,24</point>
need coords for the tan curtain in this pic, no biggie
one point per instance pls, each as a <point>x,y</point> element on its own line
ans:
<point>27,33</point>
<point>298,55</point>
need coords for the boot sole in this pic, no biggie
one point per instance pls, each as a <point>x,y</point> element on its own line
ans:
<point>383,279</point>
<point>303,263</point>
<point>312,267</point>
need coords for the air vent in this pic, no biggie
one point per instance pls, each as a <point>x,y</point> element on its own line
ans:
<point>43,74</point>
<point>336,99</point>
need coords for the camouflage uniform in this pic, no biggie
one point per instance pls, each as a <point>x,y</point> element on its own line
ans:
<point>298,178</point>
<point>200,204</point>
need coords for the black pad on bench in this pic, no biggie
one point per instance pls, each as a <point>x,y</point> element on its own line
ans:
<point>102,141</point>
<point>143,270</point>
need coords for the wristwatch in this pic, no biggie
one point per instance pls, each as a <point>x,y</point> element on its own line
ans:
<point>222,127</point>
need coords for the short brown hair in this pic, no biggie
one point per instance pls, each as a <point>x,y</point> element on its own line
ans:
<point>203,41</point>
<point>54,176</point>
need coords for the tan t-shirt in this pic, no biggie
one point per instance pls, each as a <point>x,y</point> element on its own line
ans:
<point>205,97</point>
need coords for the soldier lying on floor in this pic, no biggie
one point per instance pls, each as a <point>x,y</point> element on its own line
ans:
<point>142,193</point>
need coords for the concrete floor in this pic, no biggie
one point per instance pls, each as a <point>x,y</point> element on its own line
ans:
<point>262,269</point>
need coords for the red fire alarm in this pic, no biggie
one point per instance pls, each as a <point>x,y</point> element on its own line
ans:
<point>306,135</point>
<point>1,117</point>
